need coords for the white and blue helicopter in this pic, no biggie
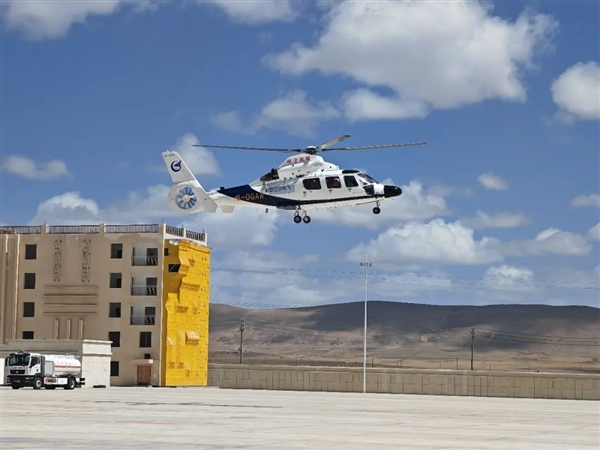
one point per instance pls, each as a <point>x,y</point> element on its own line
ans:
<point>304,182</point>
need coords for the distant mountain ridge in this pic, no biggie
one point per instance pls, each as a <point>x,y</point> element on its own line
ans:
<point>396,331</point>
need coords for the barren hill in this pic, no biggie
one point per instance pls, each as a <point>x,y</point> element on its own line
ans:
<point>416,335</point>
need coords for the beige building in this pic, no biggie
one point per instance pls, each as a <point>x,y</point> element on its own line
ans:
<point>144,287</point>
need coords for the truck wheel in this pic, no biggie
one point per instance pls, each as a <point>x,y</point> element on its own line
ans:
<point>37,383</point>
<point>70,384</point>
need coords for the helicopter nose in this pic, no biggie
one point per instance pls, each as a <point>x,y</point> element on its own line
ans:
<point>391,191</point>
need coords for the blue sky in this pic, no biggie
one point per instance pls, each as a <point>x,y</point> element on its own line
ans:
<point>502,204</point>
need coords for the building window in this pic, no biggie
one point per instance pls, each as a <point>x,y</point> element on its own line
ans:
<point>29,309</point>
<point>116,280</point>
<point>312,184</point>
<point>145,339</point>
<point>114,309</point>
<point>333,182</point>
<point>166,252</point>
<point>116,251</point>
<point>114,368</point>
<point>174,267</point>
<point>27,334</point>
<point>350,181</point>
<point>31,251</point>
<point>29,281</point>
<point>115,338</point>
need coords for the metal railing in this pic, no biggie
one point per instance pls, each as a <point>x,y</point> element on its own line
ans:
<point>109,229</point>
<point>137,260</point>
<point>141,228</point>
<point>195,235</point>
<point>143,319</point>
<point>73,229</point>
<point>22,229</point>
<point>144,290</point>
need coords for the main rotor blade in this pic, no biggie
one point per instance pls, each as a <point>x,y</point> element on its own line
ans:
<point>333,142</point>
<point>371,147</point>
<point>268,149</point>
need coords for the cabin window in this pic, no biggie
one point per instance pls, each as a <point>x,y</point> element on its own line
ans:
<point>312,184</point>
<point>333,182</point>
<point>350,181</point>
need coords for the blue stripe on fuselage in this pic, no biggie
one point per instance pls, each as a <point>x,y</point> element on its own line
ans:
<point>247,194</point>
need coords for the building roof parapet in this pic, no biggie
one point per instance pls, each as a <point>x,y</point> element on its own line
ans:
<point>167,230</point>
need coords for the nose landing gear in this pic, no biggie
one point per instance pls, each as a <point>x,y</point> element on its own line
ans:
<point>377,209</point>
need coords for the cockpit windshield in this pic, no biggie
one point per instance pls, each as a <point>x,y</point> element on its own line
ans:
<point>366,177</point>
<point>21,359</point>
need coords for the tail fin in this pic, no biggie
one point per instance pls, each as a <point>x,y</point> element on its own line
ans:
<point>180,173</point>
<point>177,168</point>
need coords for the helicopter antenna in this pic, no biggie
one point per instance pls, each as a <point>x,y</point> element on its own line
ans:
<point>313,150</point>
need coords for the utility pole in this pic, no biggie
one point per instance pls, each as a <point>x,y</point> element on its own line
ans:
<point>241,341</point>
<point>472,345</point>
<point>366,264</point>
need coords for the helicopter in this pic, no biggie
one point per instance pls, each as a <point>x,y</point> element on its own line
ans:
<point>301,183</point>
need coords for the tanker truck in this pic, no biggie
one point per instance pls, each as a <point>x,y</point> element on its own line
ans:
<point>43,371</point>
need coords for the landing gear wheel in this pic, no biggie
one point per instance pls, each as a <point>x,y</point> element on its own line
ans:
<point>376,210</point>
<point>297,218</point>
<point>306,219</point>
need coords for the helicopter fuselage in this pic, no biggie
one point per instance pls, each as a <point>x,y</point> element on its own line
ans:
<point>300,183</point>
<point>322,189</point>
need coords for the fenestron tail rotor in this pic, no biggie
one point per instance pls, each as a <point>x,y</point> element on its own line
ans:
<point>313,150</point>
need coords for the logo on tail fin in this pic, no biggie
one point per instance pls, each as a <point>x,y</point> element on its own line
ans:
<point>176,166</point>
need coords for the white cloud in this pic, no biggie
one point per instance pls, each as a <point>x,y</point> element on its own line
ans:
<point>200,160</point>
<point>292,113</point>
<point>587,200</point>
<point>440,243</point>
<point>498,220</point>
<point>28,168</point>
<point>270,278</point>
<point>577,92</point>
<point>400,45</point>
<point>594,232</point>
<point>256,12</point>
<point>509,278</point>
<point>492,181</point>
<point>68,208</point>
<point>551,241</point>
<point>39,20</point>
<point>363,104</point>
<point>264,281</point>
<point>243,229</point>
<point>413,204</point>
<point>432,243</point>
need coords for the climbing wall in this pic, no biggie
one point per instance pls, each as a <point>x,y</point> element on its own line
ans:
<point>185,315</point>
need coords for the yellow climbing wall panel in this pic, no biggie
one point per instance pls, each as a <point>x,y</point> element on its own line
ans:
<point>184,360</point>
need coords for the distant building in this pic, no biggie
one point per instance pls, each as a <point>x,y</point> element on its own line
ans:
<point>143,287</point>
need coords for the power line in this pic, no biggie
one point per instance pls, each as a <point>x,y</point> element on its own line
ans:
<point>407,278</point>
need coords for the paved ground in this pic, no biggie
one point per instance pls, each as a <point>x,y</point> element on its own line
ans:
<point>209,418</point>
